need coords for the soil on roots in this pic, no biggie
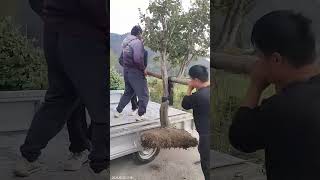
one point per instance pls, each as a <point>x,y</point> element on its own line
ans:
<point>166,138</point>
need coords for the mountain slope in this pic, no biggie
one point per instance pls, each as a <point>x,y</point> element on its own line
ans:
<point>115,50</point>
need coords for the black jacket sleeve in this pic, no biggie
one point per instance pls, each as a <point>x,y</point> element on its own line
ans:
<point>145,58</point>
<point>188,102</point>
<point>249,128</point>
<point>37,6</point>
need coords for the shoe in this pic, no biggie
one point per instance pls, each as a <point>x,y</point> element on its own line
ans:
<point>134,112</point>
<point>117,114</point>
<point>76,160</point>
<point>24,168</point>
<point>103,175</point>
<point>141,118</point>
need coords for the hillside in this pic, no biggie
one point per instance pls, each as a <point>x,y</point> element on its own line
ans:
<point>115,51</point>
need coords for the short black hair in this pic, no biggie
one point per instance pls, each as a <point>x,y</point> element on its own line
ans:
<point>288,33</point>
<point>200,72</point>
<point>136,30</point>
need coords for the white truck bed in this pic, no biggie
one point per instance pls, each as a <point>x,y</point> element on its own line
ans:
<point>125,131</point>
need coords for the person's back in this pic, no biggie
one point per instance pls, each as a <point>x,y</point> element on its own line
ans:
<point>133,53</point>
<point>74,16</point>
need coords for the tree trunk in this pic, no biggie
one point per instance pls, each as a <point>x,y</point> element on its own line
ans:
<point>236,21</point>
<point>235,64</point>
<point>184,66</point>
<point>164,120</point>
<point>234,32</point>
<point>182,70</point>
<point>227,24</point>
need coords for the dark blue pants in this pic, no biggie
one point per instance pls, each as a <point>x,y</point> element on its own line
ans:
<point>77,69</point>
<point>78,130</point>
<point>204,151</point>
<point>135,84</point>
<point>134,102</point>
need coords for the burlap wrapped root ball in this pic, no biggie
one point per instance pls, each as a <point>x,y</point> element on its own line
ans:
<point>167,138</point>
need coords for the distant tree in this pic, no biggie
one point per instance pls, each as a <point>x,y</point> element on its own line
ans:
<point>194,40</point>
<point>114,62</point>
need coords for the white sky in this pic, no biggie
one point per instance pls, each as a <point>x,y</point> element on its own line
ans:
<point>124,14</point>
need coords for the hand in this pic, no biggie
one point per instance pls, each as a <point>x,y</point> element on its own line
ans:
<point>145,72</point>
<point>190,88</point>
<point>259,82</point>
<point>259,76</point>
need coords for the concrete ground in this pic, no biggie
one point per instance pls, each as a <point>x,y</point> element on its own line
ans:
<point>168,165</point>
<point>52,158</point>
<point>173,164</point>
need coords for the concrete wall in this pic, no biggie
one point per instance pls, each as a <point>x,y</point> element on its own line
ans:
<point>17,109</point>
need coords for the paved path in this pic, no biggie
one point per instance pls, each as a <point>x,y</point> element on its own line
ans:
<point>173,164</point>
<point>169,164</point>
<point>52,157</point>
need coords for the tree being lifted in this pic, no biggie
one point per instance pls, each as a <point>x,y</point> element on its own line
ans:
<point>178,37</point>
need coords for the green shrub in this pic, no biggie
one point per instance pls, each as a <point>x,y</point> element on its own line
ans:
<point>22,65</point>
<point>116,81</point>
<point>155,88</point>
<point>225,100</point>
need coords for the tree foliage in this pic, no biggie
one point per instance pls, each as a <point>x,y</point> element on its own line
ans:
<point>22,65</point>
<point>179,36</point>
<point>176,35</point>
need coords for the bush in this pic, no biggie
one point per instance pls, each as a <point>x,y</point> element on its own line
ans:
<point>226,97</point>
<point>22,65</point>
<point>155,88</point>
<point>116,81</point>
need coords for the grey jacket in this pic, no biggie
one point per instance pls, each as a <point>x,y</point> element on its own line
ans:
<point>133,53</point>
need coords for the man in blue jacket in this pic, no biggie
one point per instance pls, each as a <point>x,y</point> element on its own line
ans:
<point>134,71</point>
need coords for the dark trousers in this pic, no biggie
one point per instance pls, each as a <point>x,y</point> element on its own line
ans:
<point>204,151</point>
<point>134,102</point>
<point>135,84</point>
<point>77,69</point>
<point>78,130</point>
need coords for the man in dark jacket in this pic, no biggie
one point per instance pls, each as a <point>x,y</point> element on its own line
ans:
<point>134,72</point>
<point>286,125</point>
<point>199,102</point>
<point>134,101</point>
<point>75,34</point>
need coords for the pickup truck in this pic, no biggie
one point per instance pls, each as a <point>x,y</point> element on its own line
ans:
<point>125,132</point>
